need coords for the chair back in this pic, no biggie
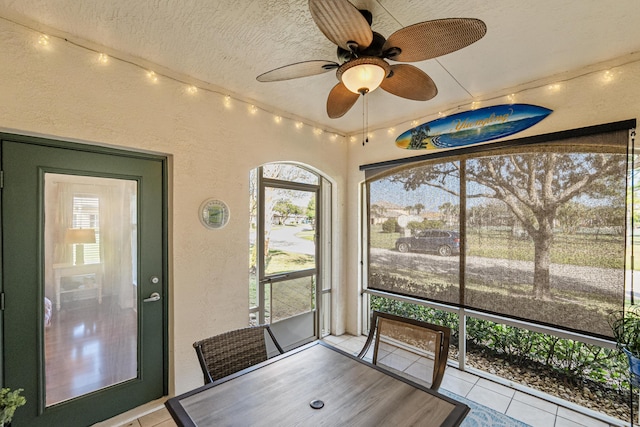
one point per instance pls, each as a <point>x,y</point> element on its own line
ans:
<point>233,351</point>
<point>429,342</point>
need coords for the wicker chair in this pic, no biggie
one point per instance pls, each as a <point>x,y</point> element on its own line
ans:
<point>233,351</point>
<point>429,341</point>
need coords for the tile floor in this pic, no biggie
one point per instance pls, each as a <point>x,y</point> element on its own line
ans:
<point>532,410</point>
<point>159,418</point>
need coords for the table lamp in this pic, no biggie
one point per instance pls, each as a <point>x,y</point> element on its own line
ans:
<point>80,236</point>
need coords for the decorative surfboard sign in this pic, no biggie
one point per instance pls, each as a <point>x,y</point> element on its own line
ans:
<point>472,127</point>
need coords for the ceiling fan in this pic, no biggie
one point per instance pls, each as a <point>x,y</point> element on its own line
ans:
<point>363,54</point>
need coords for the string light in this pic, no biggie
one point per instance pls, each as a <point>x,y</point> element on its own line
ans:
<point>555,87</point>
<point>227,101</point>
<point>391,130</point>
<point>153,77</point>
<point>607,76</point>
<point>43,40</point>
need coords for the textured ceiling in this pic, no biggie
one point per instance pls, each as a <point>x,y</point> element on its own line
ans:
<point>227,43</point>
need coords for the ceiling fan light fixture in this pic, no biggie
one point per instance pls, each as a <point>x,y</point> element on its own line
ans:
<point>363,75</point>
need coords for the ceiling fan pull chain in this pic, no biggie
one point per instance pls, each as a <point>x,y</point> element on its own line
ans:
<point>365,119</point>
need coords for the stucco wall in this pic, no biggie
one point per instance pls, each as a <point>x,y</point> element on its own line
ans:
<point>597,94</point>
<point>62,91</point>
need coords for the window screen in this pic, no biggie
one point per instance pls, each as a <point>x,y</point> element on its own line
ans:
<point>531,231</point>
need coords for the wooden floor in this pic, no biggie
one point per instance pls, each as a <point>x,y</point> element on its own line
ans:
<point>89,346</point>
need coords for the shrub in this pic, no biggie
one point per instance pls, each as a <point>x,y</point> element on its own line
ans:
<point>390,226</point>
<point>576,360</point>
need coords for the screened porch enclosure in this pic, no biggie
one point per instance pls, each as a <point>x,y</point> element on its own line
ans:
<point>542,231</point>
<point>546,241</point>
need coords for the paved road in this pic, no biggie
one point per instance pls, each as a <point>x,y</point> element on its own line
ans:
<point>285,239</point>
<point>570,277</point>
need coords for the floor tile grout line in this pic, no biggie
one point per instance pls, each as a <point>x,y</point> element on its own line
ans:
<point>509,405</point>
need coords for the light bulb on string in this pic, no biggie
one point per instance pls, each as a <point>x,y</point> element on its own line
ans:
<point>607,76</point>
<point>152,76</point>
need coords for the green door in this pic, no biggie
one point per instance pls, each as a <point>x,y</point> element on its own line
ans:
<point>83,279</point>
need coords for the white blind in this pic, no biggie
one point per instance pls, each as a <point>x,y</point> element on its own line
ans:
<point>86,208</point>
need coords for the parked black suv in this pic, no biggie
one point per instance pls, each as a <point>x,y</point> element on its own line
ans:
<point>443,242</point>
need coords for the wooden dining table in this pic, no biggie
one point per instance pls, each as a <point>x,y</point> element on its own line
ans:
<point>315,385</point>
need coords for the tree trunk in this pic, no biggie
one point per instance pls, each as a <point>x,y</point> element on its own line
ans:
<point>542,261</point>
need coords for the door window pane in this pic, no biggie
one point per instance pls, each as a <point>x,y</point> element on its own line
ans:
<point>289,230</point>
<point>90,298</point>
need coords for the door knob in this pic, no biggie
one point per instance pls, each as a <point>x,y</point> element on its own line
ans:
<point>153,297</point>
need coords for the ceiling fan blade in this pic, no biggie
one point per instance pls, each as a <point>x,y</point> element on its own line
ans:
<point>341,22</point>
<point>299,69</point>
<point>340,101</point>
<point>431,39</point>
<point>409,82</point>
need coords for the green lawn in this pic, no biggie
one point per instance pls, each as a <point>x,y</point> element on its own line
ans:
<point>580,249</point>
<point>280,261</point>
<point>581,311</point>
<point>307,234</point>
<point>290,297</point>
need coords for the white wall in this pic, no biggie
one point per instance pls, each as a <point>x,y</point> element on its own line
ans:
<point>598,94</point>
<point>62,91</point>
